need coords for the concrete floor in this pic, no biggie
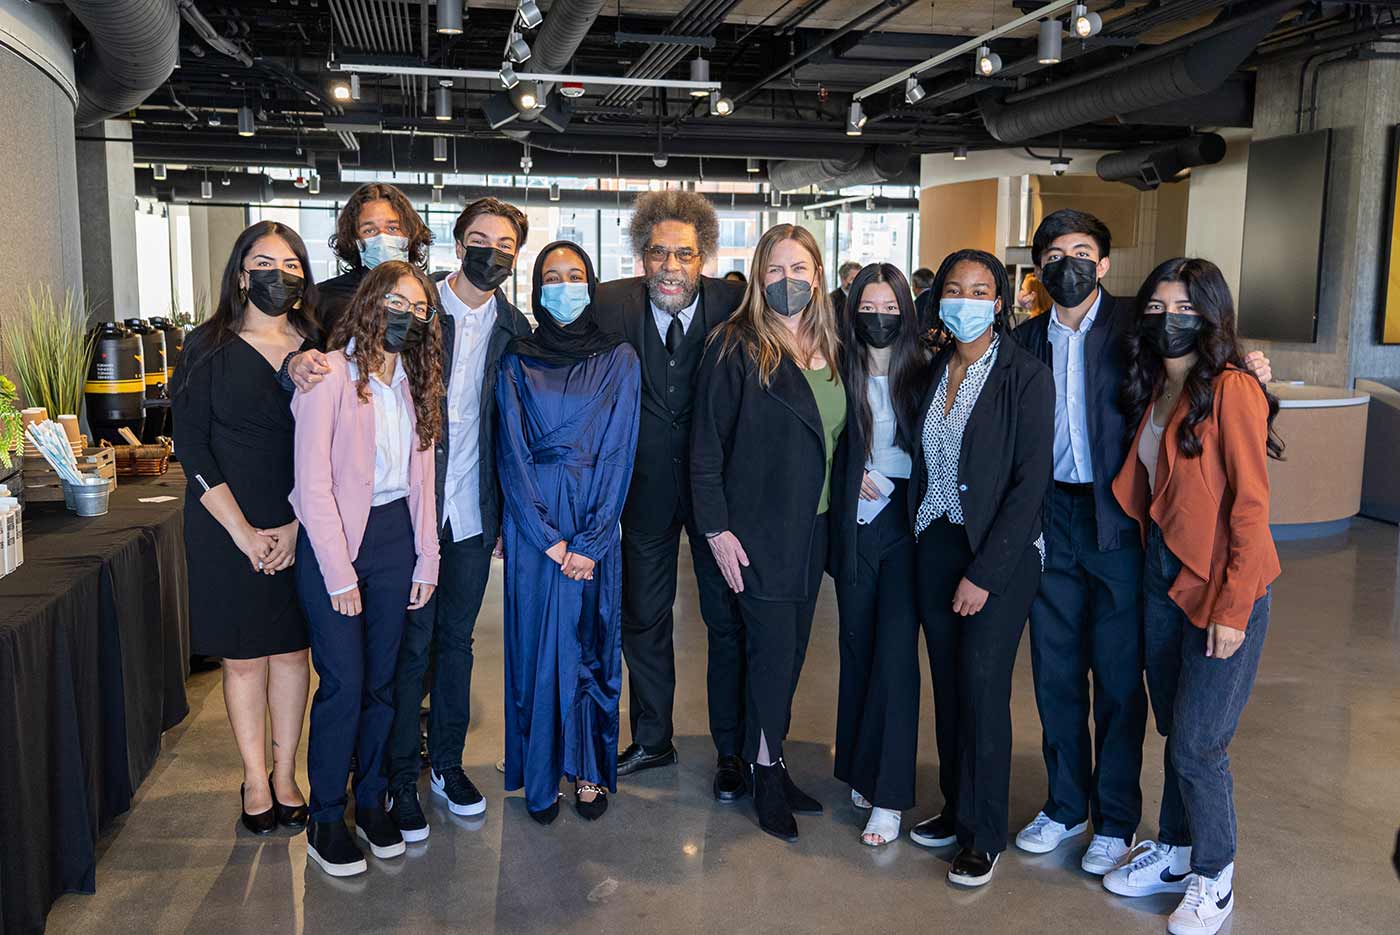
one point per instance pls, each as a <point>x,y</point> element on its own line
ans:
<point>1317,769</point>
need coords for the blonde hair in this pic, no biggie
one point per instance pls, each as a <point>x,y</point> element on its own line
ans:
<point>760,331</point>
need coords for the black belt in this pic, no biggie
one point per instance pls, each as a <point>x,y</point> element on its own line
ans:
<point>1075,490</point>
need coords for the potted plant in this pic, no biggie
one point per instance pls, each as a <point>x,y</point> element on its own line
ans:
<point>11,437</point>
<point>50,349</point>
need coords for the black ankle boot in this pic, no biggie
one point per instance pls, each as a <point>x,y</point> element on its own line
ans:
<point>770,802</point>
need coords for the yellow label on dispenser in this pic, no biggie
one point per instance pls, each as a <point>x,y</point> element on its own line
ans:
<point>134,385</point>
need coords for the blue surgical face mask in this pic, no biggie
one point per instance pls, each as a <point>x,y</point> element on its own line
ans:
<point>381,248</point>
<point>564,301</point>
<point>967,319</point>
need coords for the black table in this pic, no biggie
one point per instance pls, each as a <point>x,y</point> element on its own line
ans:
<point>94,650</point>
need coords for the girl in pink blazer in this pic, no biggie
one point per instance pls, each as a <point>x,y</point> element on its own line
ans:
<point>368,548</point>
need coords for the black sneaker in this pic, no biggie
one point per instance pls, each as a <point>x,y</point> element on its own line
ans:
<point>937,831</point>
<point>972,868</point>
<point>329,844</point>
<point>403,807</point>
<point>377,829</point>
<point>454,786</point>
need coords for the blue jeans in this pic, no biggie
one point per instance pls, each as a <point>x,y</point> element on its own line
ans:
<point>1197,702</point>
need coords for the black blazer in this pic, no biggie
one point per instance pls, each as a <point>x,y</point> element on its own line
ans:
<point>509,323</point>
<point>336,294</point>
<point>1005,465</point>
<point>1110,437</point>
<point>757,465</point>
<point>659,485</point>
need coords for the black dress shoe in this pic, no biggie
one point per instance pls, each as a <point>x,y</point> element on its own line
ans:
<point>329,845</point>
<point>972,868</point>
<point>797,800</point>
<point>262,822</point>
<point>591,810</point>
<point>729,779</point>
<point>547,816</point>
<point>288,816</point>
<point>637,758</point>
<point>770,802</point>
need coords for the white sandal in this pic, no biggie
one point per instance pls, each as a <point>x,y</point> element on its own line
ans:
<point>884,824</point>
<point>858,800</point>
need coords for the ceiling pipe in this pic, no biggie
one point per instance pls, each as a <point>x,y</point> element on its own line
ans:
<point>132,47</point>
<point>1147,167</point>
<point>876,166</point>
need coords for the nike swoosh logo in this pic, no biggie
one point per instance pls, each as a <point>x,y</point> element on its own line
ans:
<point>1224,901</point>
<point>1169,877</point>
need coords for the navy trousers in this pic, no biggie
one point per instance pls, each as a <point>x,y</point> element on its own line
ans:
<point>355,658</point>
<point>1087,618</point>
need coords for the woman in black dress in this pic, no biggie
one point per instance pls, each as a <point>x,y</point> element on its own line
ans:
<point>234,437</point>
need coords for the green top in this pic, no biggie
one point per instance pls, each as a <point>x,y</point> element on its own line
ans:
<point>831,403</point>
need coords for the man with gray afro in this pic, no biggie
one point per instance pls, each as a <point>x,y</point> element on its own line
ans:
<point>666,314</point>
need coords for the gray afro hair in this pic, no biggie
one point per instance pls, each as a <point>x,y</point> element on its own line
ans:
<point>693,208</point>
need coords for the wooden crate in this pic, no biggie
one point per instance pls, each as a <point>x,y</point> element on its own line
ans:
<point>42,483</point>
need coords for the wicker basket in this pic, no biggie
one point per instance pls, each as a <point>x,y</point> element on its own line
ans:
<point>142,460</point>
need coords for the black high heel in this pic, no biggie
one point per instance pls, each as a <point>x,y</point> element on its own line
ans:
<point>288,816</point>
<point>261,823</point>
<point>591,810</point>
<point>546,816</point>
<point>770,802</point>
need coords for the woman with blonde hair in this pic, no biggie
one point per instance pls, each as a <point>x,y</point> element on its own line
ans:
<point>769,408</point>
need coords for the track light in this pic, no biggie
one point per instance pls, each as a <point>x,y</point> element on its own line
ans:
<point>752,166</point>
<point>699,71</point>
<point>720,106</point>
<point>1048,50</point>
<point>519,49</point>
<point>1083,24</point>
<point>313,184</point>
<point>340,90</point>
<point>659,160</point>
<point>246,126</point>
<point>530,95</point>
<point>960,154</point>
<point>158,172</point>
<point>206,189</point>
<point>855,121</point>
<point>988,63</point>
<point>529,13</point>
<point>507,76</point>
<point>437,196</point>
<point>214,118</point>
<point>225,181</point>
<point>913,91</point>
<point>439,149</point>
<point>354,87</point>
<point>439,180</point>
<point>443,111</point>
<point>775,198</point>
<point>554,191</point>
<point>526,163</point>
<point>449,17</point>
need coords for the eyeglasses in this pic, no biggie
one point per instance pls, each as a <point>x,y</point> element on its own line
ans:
<point>397,303</point>
<point>658,254</point>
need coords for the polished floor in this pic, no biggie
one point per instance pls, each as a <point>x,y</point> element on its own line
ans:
<point>1317,770</point>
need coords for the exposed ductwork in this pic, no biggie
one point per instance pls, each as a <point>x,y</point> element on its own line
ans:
<point>567,22</point>
<point>876,166</point>
<point>133,46</point>
<point>1197,65</point>
<point>1147,167</point>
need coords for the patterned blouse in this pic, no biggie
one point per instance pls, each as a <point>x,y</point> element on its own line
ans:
<point>943,436</point>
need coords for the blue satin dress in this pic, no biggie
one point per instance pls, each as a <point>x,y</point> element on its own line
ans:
<point>567,442</point>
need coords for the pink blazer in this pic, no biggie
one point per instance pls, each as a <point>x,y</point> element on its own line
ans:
<point>334,473</point>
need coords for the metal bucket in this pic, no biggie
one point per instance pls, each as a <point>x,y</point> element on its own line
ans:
<point>90,498</point>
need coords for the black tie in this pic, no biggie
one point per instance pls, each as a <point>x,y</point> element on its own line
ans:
<point>675,334</point>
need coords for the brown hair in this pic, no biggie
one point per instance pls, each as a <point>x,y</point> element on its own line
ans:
<point>492,206</point>
<point>346,239</point>
<point>364,320</point>
<point>759,330</point>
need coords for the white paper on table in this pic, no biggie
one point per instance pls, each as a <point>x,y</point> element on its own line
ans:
<point>867,510</point>
<point>156,499</point>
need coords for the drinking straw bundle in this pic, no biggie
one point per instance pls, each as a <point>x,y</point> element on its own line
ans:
<point>48,436</point>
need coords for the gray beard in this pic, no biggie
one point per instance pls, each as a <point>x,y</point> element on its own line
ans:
<point>671,304</point>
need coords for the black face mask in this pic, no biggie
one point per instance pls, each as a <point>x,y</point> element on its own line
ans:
<point>877,329</point>
<point>788,297</point>
<point>274,291</point>
<point>1171,334</point>
<point>486,267</point>
<point>1070,280</point>
<point>403,331</point>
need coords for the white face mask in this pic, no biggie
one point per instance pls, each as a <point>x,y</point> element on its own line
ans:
<point>381,248</point>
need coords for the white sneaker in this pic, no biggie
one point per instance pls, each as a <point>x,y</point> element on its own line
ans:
<point>1104,854</point>
<point>1044,834</point>
<point>1152,868</point>
<point>1206,905</point>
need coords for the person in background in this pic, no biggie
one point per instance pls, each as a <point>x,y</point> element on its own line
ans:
<point>1086,618</point>
<point>666,315</point>
<point>769,383</point>
<point>736,277</point>
<point>234,439</point>
<point>367,554</point>
<point>981,466</point>
<point>1031,298</point>
<point>922,280</point>
<point>378,223</point>
<point>884,368</point>
<point>1197,484</point>
<point>845,274</point>
<point>568,397</point>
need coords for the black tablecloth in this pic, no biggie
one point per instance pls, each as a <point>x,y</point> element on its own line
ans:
<point>94,650</point>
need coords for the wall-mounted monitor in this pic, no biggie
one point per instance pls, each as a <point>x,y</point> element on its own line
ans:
<point>1390,286</point>
<point>1281,261</point>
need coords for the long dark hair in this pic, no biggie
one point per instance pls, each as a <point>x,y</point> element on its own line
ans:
<point>938,335</point>
<point>364,319</point>
<point>908,370</point>
<point>227,321</point>
<point>1217,348</point>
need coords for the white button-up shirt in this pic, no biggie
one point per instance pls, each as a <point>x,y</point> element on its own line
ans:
<point>1073,462</point>
<point>663,317</point>
<point>461,498</point>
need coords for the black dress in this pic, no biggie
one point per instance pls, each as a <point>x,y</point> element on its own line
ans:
<point>234,425</point>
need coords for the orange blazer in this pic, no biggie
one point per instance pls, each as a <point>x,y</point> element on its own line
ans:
<point>1213,510</point>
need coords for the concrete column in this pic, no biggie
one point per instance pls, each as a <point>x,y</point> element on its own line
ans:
<point>224,224</point>
<point>107,203</point>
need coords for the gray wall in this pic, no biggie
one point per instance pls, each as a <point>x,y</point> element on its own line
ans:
<point>106,200</point>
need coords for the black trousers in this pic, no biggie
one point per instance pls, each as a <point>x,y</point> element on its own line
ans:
<point>971,659</point>
<point>877,707</point>
<point>649,568</point>
<point>776,634</point>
